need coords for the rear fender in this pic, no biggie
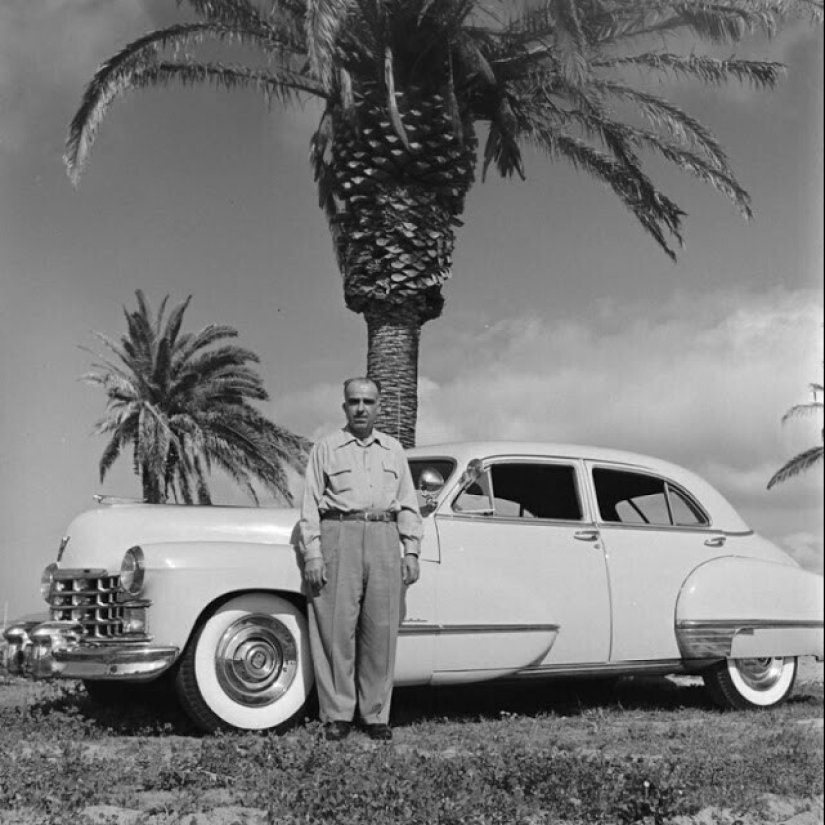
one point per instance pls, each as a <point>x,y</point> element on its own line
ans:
<point>740,608</point>
<point>182,580</point>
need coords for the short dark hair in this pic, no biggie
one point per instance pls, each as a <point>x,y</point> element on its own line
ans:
<point>362,379</point>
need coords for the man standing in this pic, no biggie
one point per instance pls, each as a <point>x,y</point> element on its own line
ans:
<point>359,507</point>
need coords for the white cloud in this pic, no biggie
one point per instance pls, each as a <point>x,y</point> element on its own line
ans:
<point>806,548</point>
<point>702,382</point>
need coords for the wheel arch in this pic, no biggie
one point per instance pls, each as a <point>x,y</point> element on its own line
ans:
<point>186,582</point>
<point>741,607</point>
<point>296,599</point>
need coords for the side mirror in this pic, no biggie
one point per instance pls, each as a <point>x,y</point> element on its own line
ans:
<point>431,481</point>
<point>430,484</point>
<point>474,471</point>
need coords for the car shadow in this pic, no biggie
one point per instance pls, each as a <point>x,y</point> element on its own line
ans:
<point>562,697</point>
<point>158,714</point>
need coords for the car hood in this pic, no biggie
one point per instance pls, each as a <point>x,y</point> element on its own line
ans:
<point>100,537</point>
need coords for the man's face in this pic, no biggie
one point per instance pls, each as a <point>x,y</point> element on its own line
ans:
<point>361,406</point>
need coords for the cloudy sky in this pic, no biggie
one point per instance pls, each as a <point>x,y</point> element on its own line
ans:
<point>563,321</point>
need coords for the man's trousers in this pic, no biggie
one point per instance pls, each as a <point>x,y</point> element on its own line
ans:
<point>353,620</point>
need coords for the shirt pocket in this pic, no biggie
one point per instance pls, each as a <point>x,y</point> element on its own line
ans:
<point>389,479</point>
<point>340,478</point>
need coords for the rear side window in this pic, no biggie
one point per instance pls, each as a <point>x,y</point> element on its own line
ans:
<point>524,491</point>
<point>637,498</point>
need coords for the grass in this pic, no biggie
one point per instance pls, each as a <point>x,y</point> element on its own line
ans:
<point>647,751</point>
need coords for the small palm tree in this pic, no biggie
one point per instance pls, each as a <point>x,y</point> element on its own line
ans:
<point>404,85</point>
<point>184,408</point>
<point>807,458</point>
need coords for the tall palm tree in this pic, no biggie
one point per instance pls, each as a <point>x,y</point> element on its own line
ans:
<point>184,407</point>
<point>807,458</point>
<point>404,83</point>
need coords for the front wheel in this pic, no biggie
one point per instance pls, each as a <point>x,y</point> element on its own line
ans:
<point>247,666</point>
<point>741,684</point>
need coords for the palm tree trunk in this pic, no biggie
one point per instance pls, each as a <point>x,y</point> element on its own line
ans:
<point>393,333</point>
<point>152,493</point>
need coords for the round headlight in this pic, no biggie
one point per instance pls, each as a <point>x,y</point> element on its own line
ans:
<point>46,581</point>
<point>131,571</point>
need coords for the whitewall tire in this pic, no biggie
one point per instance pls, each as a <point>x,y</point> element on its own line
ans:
<point>742,684</point>
<point>247,666</point>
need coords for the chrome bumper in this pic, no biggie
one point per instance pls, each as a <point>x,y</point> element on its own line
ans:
<point>46,650</point>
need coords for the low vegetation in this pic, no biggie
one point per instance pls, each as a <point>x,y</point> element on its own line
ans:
<point>642,751</point>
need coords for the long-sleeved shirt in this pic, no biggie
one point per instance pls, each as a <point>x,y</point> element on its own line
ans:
<point>345,475</point>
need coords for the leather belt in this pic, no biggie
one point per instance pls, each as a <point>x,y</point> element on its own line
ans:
<point>359,515</point>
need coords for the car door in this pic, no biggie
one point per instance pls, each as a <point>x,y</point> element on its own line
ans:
<point>655,533</point>
<point>522,579</point>
<point>416,636</point>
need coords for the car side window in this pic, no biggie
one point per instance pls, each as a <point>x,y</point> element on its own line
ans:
<point>522,490</point>
<point>636,498</point>
<point>476,498</point>
<point>686,513</point>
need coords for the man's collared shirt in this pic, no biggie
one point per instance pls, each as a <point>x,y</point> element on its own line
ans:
<point>345,475</point>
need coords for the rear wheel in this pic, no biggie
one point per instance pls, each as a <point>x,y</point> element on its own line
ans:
<point>741,684</point>
<point>247,666</point>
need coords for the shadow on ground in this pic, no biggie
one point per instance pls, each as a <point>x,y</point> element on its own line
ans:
<point>157,713</point>
<point>562,697</point>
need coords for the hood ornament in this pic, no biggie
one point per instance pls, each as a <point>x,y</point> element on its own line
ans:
<point>63,542</point>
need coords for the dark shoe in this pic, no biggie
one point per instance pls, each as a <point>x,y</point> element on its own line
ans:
<point>379,732</point>
<point>336,731</point>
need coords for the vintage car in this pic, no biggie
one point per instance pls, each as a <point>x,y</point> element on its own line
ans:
<point>538,561</point>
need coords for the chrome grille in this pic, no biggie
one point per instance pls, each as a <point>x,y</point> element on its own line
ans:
<point>90,598</point>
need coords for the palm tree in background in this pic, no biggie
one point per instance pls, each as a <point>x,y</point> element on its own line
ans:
<point>183,406</point>
<point>807,458</point>
<point>405,83</point>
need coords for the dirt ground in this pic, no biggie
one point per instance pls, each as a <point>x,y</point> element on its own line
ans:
<point>158,807</point>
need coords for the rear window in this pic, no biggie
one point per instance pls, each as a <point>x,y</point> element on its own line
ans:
<point>637,498</point>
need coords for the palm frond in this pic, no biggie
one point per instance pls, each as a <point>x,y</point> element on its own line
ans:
<point>801,410</point>
<point>324,19</point>
<point>798,464</point>
<point>138,64</point>
<point>657,214</point>
<point>662,114</point>
<point>711,70</point>
<point>227,12</point>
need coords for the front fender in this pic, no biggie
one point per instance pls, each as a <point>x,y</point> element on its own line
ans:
<point>183,579</point>
<point>737,607</point>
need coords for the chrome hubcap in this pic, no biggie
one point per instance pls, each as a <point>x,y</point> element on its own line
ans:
<point>256,660</point>
<point>760,674</point>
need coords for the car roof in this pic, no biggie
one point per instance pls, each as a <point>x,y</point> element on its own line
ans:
<point>722,513</point>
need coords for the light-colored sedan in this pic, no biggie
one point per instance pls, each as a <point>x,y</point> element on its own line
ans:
<point>538,561</point>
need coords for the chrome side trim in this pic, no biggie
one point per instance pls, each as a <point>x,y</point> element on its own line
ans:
<point>703,639</point>
<point>654,667</point>
<point>422,629</point>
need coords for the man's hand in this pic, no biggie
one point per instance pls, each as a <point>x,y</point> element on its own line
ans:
<point>409,569</point>
<point>315,573</point>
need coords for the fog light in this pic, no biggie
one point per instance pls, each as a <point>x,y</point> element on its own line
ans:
<point>134,620</point>
<point>131,571</point>
<point>47,581</point>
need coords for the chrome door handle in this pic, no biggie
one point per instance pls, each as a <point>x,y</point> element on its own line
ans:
<point>586,535</point>
<point>716,541</point>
